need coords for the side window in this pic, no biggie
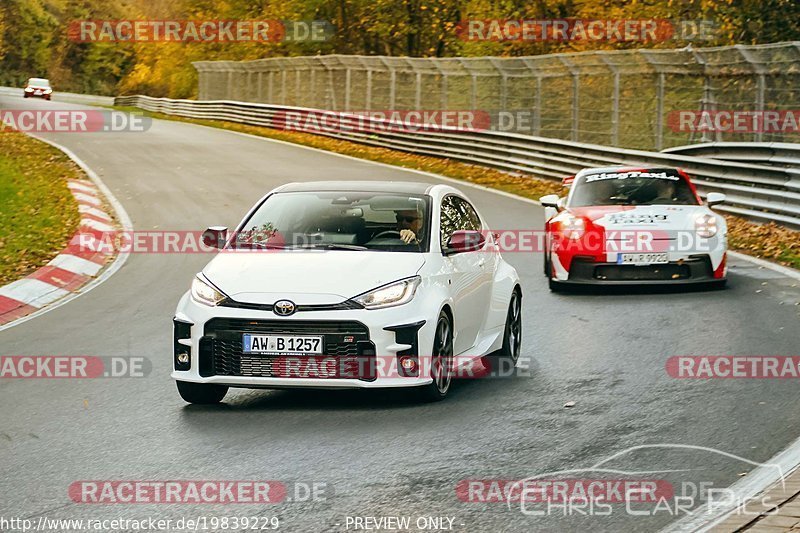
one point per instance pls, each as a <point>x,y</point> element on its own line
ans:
<point>449,219</point>
<point>457,214</point>
<point>469,216</point>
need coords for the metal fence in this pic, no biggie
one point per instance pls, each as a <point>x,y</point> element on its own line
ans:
<point>757,191</point>
<point>619,98</point>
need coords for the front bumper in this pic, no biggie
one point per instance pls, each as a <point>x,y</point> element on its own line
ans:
<point>693,269</point>
<point>362,346</point>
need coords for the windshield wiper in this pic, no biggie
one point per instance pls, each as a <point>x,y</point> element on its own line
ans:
<point>331,246</point>
<point>259,245</point>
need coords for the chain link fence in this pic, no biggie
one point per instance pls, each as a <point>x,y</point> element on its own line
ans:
<point>627,98</point>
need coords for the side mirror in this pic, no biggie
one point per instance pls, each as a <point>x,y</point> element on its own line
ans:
<point>714,198</point>
<point>551,200</point>
<point>215,237</point>
<point>465,241</point>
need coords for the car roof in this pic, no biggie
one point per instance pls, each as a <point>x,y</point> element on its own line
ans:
<point>402,187</point>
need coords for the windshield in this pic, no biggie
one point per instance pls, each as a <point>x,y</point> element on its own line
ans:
<point>39,82</point>
<point>650,187</point>
<point>338,220</point>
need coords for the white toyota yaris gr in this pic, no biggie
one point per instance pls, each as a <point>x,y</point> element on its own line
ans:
<point>348,285</point>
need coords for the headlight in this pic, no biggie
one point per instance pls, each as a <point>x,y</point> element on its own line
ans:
<point>48,91</point>
<point>203,292</point>
<point>397,293</point>
<point>28,90</point>
<point>573,227</point>
<point>706,226</point>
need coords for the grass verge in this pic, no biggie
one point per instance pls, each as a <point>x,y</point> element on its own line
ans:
<point>766,241</point>
<point>38,214</point>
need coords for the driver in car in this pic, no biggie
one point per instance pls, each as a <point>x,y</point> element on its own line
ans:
<point>409,224</point>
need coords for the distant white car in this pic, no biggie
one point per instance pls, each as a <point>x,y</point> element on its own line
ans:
<point>38,88</point>
<point>323,286</point>
<point>622,226</point>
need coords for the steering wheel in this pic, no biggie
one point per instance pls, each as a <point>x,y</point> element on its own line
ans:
<point>390,232</point>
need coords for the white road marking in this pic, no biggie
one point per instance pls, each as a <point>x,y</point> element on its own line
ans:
<point>89,210</point>
<point>75,264</point>
<point>99,226</point>
<point>85,198</point>
<point>88,189</point>
<point>33,292</point>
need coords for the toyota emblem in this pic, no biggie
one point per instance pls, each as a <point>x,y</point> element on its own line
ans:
<point>284,308</point>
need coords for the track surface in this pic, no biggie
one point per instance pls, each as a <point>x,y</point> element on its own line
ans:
<point>378,453</point>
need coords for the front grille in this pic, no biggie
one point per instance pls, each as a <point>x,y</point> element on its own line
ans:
<point>345,341</point>
<point>347,304</point>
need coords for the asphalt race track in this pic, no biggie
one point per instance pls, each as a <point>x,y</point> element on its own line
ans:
<point>378,453</point>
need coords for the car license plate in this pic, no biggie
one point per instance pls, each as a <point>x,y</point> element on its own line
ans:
<point>642,259</point>
<point>281,344</point>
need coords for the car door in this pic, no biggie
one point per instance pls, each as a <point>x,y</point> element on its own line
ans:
<point>472,273</point>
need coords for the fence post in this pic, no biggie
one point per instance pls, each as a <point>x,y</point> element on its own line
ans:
<point>576,82</point>
<point>297,87</point>
<point>347,74</point>
<point>614,101</point>
<point>473,93</point>
<point>368,104</point>
<point>660,113</point>
<point>270,84</point>
<point>312,93</point>
<point>761,88</point>
<point>537,111</point>
<point>283,86</point>
<point>392,88</point>
<point>418,91</point>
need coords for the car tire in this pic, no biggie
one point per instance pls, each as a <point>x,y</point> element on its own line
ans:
<point>441,362</point>
<point>506,358</point>
<point>201,393</point>
<point>554,285</point>
<point>547,268</point>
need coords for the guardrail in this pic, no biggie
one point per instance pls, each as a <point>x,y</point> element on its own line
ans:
<point>756,191</point>
<point>88,99</point>
<point>775,154</point>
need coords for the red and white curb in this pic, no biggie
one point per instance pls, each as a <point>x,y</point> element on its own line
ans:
<point>70,270</point>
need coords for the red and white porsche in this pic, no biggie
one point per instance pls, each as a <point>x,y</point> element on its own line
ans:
<point>621,226</point>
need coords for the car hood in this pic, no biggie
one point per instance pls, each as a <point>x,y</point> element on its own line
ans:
<point>307,276</point>
<point>621,217</point>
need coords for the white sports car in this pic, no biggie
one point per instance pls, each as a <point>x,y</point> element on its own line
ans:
<point>348,285</point>
<point>622,226</point>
